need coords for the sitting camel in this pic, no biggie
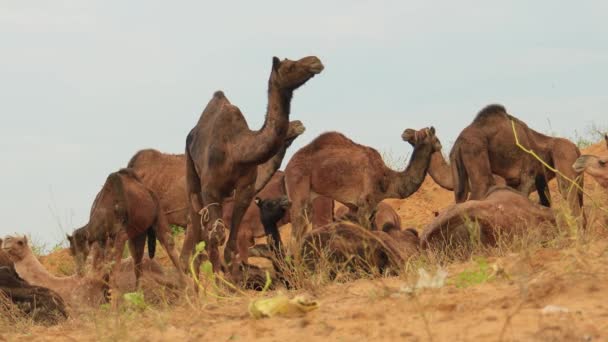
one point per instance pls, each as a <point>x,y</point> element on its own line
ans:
<point>384,217</point>
<point>355,175</point>
<point>343,244</point>
<point>125,211</point>
<point>38,303</point>
<point>75,290</point>
<point>501,213</point>
<point>595,166</point>
<point>486,149</point>
<point>165,175</point>
<point>223,154</point>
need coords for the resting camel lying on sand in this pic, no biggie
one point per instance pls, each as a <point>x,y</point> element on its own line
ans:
<point>75,290</point>
<point>487,148</point>
<point>344,244</point>
<point>165,175</point>
<point>355,175</point>
<point>595,166</point>
<point>384,217</point>
<point>125,211</point>
<point>501,213</point>
<point>38,303</point>
<point>223,154</point>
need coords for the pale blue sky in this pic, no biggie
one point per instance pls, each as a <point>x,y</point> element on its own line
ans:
<point>85,84</point>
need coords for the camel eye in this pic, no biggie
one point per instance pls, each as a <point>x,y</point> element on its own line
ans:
<point>602,163</point>
<point>20,243</point>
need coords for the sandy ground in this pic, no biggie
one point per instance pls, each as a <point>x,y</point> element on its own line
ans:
<point>511,303</point>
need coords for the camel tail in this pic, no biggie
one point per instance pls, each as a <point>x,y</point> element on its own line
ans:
<point>151,233</point>
<point>460,177</point>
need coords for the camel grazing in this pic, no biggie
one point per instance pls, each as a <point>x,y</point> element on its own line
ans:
<point>487,146</point>
<point>76,290</point>
<point>355,175</point>
<point>384,217</point>
<point>125,211</point>
<point>501,213</point>
<point>165,175</point>
<point>38,303</point>
<point>272,210</point>
<point>223,154</point>
<point>595,166</point>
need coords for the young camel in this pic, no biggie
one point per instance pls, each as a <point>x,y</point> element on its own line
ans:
<point>125,211</point>
<point>595,166</point>
<point>165,175</point>
<point>223,154</point>
<point>355,175</point>
<point>487,146</point>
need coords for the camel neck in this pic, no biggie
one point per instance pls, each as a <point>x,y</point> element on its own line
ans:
<point>405,183</point>
<point>32,271</point>
<point>440,171</point>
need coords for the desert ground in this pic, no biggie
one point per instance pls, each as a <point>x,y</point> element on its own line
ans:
<point>524,291</point>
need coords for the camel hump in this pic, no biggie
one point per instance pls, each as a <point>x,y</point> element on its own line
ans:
<point>491,110</point>
<point>142,155</point>
<point>219,94</point>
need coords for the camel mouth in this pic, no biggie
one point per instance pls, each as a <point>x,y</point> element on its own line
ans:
<point>580,164</point>
<point>316,67</point>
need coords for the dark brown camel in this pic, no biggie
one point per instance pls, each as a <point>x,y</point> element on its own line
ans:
<point>487,146</point>
<point>355,175</point>
<point>40,304</point>
<point>125,211</point>
<point>165,175</point>
<point>500,214</point>
<point>222,156</point>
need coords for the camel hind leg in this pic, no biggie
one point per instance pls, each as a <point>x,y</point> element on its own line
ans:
<point>476,163</point>
<point>163,233</point>
<point>298,192</point>
<point>242,199</point>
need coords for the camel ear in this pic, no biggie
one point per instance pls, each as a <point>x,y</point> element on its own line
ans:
<point>275,63</point>
<point>432,129</point>
<point>606,139</point>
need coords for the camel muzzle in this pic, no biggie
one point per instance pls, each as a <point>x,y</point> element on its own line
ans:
<point>581,163</point>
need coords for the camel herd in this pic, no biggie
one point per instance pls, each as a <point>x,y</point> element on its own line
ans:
<point>226,190</point>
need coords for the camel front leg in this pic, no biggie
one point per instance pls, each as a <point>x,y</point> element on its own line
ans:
<point>214,228</point>
<point>193,231</point>
<point>119,246</point>
<point>242,200</point>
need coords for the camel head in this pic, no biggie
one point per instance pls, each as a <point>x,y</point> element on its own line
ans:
<point>16,247</point>
<point>290,75</point>
<point>423,136</point>
<point>596,167</point>
<point>79,248</point>
<point>272,209</point>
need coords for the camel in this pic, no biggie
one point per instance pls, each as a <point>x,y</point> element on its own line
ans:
<point>355,175</point>
<point>223,154</point>
<point>503,212</point>
<point>165,175</point>
<point>384,218</point>
<point>125,211</point>
<point>77,290</point>
<point>5,261</point>
<point>487,146</point>
<point>594,166</point>
<point>38,303</point>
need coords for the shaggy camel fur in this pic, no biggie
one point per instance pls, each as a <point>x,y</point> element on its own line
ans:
<point>125,211</point>
<point>384,217</point>
<point>38,303</point>
<point>355,175</point>
<point>76,290</point>
<point>501,213</point>
<point>165,175</point>
<point>487,146</point>
<point>223,154</point>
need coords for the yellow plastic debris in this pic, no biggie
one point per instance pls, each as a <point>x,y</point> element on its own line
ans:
<point>281,305</point>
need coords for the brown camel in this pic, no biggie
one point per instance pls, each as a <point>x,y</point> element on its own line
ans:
<point>501,213</point>
<point>595,166</point>
<point>125,211</point>
<point>487,146</point>
<point>38,303</point>
<point>384,218</point>
<point>5,261</point>
<point>222,156</point>
<point>76,291</point>
<point>165,175</point>
<point>355,175</point>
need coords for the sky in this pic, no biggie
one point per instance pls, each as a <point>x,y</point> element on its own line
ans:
<point>86,84</point>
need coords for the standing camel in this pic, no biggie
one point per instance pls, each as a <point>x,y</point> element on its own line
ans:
<point>222,156</point>
<point>485,154</point>
<point>355,175</point>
